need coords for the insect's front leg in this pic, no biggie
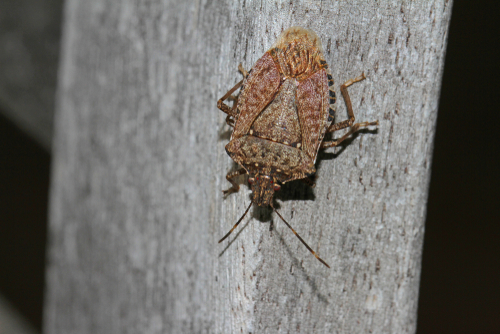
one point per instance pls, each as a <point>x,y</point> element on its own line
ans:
<point>230,177</point>
<point>349,122</point>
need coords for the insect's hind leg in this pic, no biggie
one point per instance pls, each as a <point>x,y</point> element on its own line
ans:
<point>243,71</point>
<point>230,177</point>
<point>231,112</point>
<point>309,182</point>
<point>353,129</point>
<point>349,122</point>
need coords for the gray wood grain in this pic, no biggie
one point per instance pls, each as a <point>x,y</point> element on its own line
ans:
<point>139,168</point>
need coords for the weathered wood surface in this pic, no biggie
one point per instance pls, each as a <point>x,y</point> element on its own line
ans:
<point>29,54</point>
<point>139,168</point>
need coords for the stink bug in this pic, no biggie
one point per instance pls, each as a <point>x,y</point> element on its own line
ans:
<point>284,110</point>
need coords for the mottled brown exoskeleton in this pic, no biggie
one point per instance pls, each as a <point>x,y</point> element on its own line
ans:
<point>284,110</point>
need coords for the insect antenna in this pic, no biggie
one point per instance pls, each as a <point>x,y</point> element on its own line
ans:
<point>301,240</point>
<point>239,221</point>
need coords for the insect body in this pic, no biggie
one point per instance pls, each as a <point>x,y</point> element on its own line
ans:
<point>284,110</point>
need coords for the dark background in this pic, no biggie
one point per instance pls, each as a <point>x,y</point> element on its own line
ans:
<point>460,285</point>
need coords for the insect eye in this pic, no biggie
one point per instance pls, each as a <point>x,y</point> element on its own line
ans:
<point>251,180</point>
<point>277,187</point>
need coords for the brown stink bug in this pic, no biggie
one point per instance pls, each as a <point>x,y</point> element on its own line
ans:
<point>284,110</point>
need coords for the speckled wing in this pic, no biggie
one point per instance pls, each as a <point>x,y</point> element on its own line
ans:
<point>259,90</point>
<point>312,107</point>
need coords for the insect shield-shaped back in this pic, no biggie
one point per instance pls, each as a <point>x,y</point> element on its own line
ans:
<point>285,98</point>
<point>282,111</point>
<point>281,117</point>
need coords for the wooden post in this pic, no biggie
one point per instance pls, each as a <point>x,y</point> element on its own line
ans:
<point>139,168</point>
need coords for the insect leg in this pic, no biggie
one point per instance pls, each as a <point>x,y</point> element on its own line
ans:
<point>301,240</point>
<point>350,121</point>
<point>231,112</point>
<point>230,177</point>
<point>309,182</point>
<point>354,128</point>
<point>347,99</point>
<point>242,70</point>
